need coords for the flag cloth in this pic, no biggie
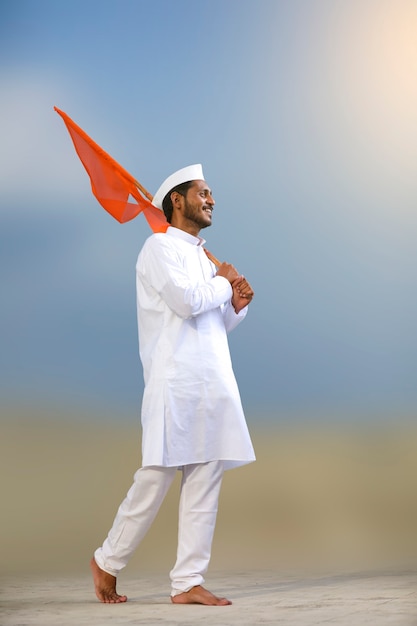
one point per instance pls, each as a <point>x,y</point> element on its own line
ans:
<point>111,184</point>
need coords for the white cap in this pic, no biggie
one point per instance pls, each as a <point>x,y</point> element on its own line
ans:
<point>191,172</point>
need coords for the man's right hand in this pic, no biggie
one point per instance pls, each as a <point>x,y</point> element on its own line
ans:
<point>227,271</point>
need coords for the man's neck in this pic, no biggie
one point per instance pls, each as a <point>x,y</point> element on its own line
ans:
<point>187,226</point>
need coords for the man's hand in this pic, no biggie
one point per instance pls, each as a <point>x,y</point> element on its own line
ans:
<point>228,271</point>
<point>242,293</point>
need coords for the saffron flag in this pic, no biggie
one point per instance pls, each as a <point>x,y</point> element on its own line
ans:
<point>113,186</point>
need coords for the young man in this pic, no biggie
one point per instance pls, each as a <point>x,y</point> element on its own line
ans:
<point>192,417</point>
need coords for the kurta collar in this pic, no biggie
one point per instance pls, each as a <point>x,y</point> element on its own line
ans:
<point>181,234</point>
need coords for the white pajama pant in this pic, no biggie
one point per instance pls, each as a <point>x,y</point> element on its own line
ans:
<point>200,488</point>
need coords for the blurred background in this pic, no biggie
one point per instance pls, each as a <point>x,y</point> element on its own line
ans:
<point>304,116</point>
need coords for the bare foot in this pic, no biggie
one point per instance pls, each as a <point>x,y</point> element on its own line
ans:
<point>105,585</point>
<point>199,595</point>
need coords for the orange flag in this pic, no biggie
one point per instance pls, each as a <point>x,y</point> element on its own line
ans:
<point>111,184</point>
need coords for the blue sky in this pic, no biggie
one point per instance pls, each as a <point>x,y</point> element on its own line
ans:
<point>304,115</point>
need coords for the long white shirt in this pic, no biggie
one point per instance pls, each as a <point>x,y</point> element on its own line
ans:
<point>191,408</point>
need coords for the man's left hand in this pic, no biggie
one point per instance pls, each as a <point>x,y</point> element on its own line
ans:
<point>242,293</point>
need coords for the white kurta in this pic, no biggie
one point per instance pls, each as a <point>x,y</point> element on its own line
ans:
<point>191,409</point>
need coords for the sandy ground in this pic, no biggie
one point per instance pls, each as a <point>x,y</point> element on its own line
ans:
<point>265,597</point>
<point>321,529</point>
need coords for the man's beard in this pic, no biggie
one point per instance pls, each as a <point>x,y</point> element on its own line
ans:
<point>191,213</point>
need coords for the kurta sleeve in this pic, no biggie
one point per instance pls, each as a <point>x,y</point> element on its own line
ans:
<point>162,268</point>
<point>232,319</point>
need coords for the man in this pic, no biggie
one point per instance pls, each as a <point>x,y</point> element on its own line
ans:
<point>192,417</point>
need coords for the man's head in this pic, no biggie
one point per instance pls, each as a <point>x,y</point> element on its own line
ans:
<point>167,205</point>
<point>186,199</point>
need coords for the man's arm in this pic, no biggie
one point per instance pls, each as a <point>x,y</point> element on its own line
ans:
<point>160,268</point>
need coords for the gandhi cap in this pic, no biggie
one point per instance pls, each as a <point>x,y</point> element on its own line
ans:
<point>191,172</point>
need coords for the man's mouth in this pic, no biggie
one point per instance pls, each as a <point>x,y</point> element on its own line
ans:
<point>208,210</point>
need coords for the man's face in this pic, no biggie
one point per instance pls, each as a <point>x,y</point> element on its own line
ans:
<point>198,204</point>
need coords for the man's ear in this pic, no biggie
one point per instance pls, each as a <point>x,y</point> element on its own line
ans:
<point>176,199</point>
